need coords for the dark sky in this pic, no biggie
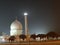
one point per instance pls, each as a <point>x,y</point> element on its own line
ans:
<point>43,15</point>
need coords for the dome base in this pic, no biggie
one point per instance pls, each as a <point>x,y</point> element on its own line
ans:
<point>15,32</point>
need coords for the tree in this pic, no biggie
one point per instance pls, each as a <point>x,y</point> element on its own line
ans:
<point>33,36</point>
<point>12,38</point>
<point>52,34</point>
<point>41,35</point>
<point>22,36</point>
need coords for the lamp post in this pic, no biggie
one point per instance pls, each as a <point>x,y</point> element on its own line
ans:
<point>26,23</point>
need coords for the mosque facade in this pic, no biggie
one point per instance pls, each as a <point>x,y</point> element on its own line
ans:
<point>16,28</point>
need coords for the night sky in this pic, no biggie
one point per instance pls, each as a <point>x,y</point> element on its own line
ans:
<point>43,15</point>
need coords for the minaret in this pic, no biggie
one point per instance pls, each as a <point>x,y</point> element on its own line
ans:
<point>26,23</point>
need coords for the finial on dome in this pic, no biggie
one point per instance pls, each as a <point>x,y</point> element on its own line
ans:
<point>16,18</point>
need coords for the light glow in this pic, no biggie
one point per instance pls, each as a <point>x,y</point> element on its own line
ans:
<point>25,13</point>
<point>2,39</point>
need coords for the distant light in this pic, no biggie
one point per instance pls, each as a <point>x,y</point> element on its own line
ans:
<point>3,40</point>
<point>25,13</point>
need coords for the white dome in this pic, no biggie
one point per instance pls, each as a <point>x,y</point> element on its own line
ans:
<point>16,25</point>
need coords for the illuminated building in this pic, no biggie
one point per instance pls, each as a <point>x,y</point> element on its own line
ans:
<point>16,28</point>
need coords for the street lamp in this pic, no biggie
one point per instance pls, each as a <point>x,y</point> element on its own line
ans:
<point>26,23</point>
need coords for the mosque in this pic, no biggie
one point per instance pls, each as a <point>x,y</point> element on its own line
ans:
<point>16,28</point>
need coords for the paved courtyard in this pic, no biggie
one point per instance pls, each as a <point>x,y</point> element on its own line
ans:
<point>34,43</point>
